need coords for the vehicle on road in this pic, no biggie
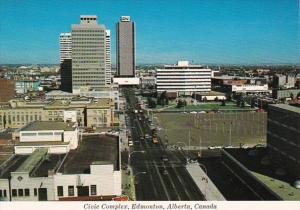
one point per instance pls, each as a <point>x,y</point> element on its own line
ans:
<point>164,158</point>
<point>154,136</point>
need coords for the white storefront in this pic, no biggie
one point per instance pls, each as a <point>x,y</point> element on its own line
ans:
<point>102,180</point>
<point>250,88</point>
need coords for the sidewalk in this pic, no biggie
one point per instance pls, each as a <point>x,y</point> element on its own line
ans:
<point>128,187</point>
<point>206,186</point>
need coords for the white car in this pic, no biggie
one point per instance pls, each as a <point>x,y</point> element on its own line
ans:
<point>130,143</point>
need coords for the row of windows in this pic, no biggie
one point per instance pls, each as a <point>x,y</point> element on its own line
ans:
<point>85,53</point>
<point>87,30</point>
<point>89,58</point>
<point>60,190</point>
<point>22,192</point>
<point>17,118</point>
<point>74,32</point>
<point>88,44</point>
<point>97,61</point>
<point>85,50</point>
<point>96,37</point>
<point>3,193</point>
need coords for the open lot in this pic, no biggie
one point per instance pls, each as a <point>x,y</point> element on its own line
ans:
<point>212,129</point>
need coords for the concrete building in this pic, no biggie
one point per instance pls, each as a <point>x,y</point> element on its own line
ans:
<point>148,81</point>
<point>284,93</point>
<point>281,81</point>
<point>65,46</point>
<point>108,76</point>
<point>92,171</point>
<point>125,44</point>
<point>7,90</point>
<point>23,86</point>
<point>88,53</point>
<point>283,140</point>
<point>183,79</point>
<point>57,138</point>
<point>90,112</point>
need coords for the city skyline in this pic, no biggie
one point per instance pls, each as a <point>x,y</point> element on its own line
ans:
<point>231,32</point>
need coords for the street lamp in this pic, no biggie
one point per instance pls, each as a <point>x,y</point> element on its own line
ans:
<point>130,154</point>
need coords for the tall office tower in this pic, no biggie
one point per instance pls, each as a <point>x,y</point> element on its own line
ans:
<point>65,44</point>
<point>108,59</point>
<point>125,47</point>
<point>88,54</point>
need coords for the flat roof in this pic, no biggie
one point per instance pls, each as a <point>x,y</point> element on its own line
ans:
<point>102,149</point>
<point>286,107</point>
<point>48,125</point>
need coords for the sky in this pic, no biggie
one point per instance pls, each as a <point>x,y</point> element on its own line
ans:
<point>201,31</point>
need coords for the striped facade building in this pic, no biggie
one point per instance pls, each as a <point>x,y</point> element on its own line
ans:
<point>183,79</point>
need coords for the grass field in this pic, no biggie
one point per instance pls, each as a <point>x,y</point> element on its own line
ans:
<point>213,129</point>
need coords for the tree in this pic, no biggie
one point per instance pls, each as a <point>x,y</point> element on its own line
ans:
<point>180,104</point>
<point>242,104</point>
<point>204,99</point>
<point>223,103</point>
<point>252,103</point>
<point>151,103</point>
<point>216,99</point>
<point>238,101</point>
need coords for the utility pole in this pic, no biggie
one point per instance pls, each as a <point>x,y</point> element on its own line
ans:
<point>230,133</point>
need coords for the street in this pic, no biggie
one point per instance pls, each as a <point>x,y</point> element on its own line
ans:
<point>156,179</point>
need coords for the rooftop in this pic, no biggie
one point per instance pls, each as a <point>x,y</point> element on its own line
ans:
<point>20,163</point>
<point>48,125</point>
<point>93,149</point>
<point>29,164</point>
<point>286,107</point>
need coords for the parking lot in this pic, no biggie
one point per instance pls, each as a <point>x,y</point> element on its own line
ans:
<point>212,129</point>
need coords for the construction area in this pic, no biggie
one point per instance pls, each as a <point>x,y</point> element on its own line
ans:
<point>192,131</point>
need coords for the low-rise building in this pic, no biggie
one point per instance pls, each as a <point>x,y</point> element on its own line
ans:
<point>247,88</point>
<point>92,171</point>
<point>23,86</point>
<point>58,137</point>
<point>90,112</point>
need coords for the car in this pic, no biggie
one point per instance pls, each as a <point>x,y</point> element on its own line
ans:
<point>165,172</point>
<point>164,158</point>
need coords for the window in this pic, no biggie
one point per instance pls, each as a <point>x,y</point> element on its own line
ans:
<point>20,192</point>
<point>4,193</point>
<point>35,192</point>
<point>27,192</point>
<point>71,190</point>
<point>93,190</point>
<point>0,193</point>
<point>60,191</point>
<point>14,193</point>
